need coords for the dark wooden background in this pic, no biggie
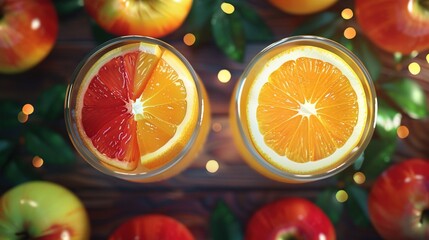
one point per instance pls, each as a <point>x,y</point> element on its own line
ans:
<point>191,196</point>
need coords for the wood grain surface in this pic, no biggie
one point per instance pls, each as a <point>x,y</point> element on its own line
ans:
<point>192,195</point>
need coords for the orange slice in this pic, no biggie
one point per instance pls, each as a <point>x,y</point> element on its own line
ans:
<point>136,107</point>
<point>306,110</point>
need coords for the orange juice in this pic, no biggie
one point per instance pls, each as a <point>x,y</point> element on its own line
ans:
<point>303,109</point>
<point>136,109</point>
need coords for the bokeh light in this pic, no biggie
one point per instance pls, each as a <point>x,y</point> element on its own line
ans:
<point>414,54</point>
<point>414,68</point>
<point>347,13</point>
<point>224,76</point>
<point>427,58</point>
<point>212,166</point>
<point>227,8</point>
<point>189,39</point>
<point>217,127</point>
<point>37,162</point>
<point>350,33</point>
<point>27,109</point>
<point>22,117</point>
<point>402,131</point>
<point>341,196</point>
<point>359,177</point>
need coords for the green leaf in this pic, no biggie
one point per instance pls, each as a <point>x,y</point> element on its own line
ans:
<point>388,120</point>
<point>50,104</point>
<point>15,173</point>
<point>357,205</point>
<point>316,23</point>
<point>328,31</point>
<point>254,26</point>
<point>223,224</point>
<point>6,148</point>
<point>99,34</point>
<point>9,114</point>
<point>378,156</point>
<point>328,203</point>
<point>65,7</point>
<point>409,96</point>
<point>48,145</point>
<point>199,16</point>
<point>198,21</point>
<point>228,33</point>
<point>347,43</point>
<point>371,61</point>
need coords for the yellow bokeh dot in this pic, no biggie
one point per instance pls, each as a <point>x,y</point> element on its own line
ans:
<point>37,162</point>
<point>402,132</point>
<point>427,58</point>
<point>359,177</point>
<point>28,109</point>
<point>212,166</point>
<point>224,76</point>
<point>341,196</point>
<point>22,117</point>
<point>414,68</point>
<point>227,8</point>
<point>347,13</point>
<point>189,39</point>
<point>350,33</point>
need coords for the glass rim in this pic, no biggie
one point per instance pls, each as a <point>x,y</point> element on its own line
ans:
<point>368,130</point>
<point>78,75</point>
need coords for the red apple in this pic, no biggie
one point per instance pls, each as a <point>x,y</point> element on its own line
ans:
<point>395,25</point>
<point>42,210</point>
<point>290,218</point>
<point>399,201</point>
<point>152,227</point>
<point>155,18</point>
<point>28,31</point>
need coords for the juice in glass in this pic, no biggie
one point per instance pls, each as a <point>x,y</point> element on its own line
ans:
<point>136,109</point>
<point>303,109</point>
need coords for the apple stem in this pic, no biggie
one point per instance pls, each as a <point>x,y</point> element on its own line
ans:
<point>425,216</point>
<point>424,4</point>
<point>287,237</point>
<point>24,234</point>
<point>1,8</point>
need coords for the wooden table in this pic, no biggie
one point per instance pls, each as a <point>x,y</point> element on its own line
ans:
<point>191,196</point>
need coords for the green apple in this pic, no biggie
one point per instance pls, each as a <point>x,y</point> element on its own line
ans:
<point>42,210</point>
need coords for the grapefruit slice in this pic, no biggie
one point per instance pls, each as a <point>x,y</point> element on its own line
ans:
<point>306,110</point>
<point>136,107</point>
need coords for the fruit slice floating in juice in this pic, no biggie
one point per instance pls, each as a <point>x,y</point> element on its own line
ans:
<point>137,107</point>
<point>306,109</point>
<point>311,120</point>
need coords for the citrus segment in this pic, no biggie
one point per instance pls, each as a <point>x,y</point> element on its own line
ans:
<point>306,110</point>
<point>116,142</point>
<point>136,106</point>
<point>168,107</point>
<point>144,66</point>
<point>105,107</point>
